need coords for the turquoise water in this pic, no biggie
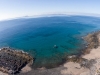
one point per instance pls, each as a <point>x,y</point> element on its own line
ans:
<point>37,36</point>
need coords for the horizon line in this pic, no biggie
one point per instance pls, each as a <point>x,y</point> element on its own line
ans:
<point>54,14</point>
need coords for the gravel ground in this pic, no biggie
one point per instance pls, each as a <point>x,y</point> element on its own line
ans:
<point>54,71</point>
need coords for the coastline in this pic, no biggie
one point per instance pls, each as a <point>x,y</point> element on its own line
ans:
<point>89,62</point>
<point>85,64</point>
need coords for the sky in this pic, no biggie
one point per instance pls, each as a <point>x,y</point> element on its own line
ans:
<point>19,8</point>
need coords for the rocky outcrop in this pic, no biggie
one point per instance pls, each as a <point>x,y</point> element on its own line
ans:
<point>92,40</point>
<point>12,61</point>
<point>91,64</point>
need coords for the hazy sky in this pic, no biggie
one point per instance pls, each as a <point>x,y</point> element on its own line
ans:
<point>18,8</point>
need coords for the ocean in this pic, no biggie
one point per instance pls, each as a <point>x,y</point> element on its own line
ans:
<point>48,39</point>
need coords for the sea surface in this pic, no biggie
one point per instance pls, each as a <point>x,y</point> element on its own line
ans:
<point>48,39</point>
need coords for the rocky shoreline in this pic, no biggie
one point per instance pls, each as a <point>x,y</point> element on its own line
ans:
<point>89,60</point>
<point>73,63</point>
<point>82,64</point>
<point>12,61</point>
<point>92,42</point>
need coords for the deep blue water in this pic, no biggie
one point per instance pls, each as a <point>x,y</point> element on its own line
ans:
<point>38,36</point>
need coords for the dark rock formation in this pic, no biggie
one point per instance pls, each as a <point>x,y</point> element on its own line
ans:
<point>92,41</point>
<point>87,63</point>
<point>12,61</point>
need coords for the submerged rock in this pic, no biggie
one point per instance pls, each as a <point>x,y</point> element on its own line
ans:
<point>55,46</point>
<point>12,61</point>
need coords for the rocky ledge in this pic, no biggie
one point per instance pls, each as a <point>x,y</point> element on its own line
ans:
<point>12,61</point>
<point>93,42</point>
